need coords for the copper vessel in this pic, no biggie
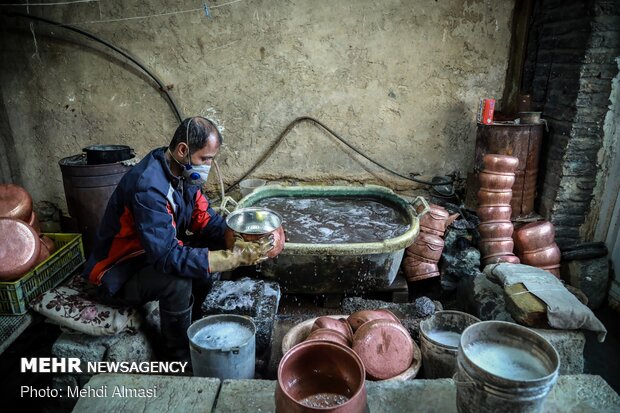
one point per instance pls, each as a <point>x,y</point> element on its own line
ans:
<point>327,334</point>
<point>361,317</point>
<point>435,220</point>
<point>417,269</point>
<point>502,197</point>
<point>34,223</point>
<point>49,243</point>
<point>495,229</point>
<point>340,325</point>
<point>542,257</point>
<point>15,202</point>
<point>492,246</point>
<point>279,240</point>
<point>19,250</point>
<point>427,246</point>
<point>534,236</point>
<point>500,163</point>
<point>385,347</point>
<point>319,376</point>
<point>553,269</point>
<point>494,181</point>
<point>499,258</point>
<point>494,213</point>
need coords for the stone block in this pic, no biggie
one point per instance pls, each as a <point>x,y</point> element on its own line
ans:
<point>246,396</point>
<point>281,326</point>
<point>254,298</point>
<point>569,345</point>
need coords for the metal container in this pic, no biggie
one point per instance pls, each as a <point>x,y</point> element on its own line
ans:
<point>358,318</point>
<point>492,181</point>
<point>223,346</point>
<point>488,213</point>
<point>493,246</point>
<point>319,376</point>
<point>493,162</point>
<point>500,257</point>
<point>504,367</point>
<point>102,154</point>
<point>499,197</point>
<point>435,220</point>
<point>340,325</point>
<point>327,334</point>
<point>20,248</point>
<point>385,347</point>
<point>255,223</point>
<point>543,257</point>
<point>88,189</point>
<point>522,141</point>
<point>495,229</point>
<point>417,269</point>
<point>440,335</point>
<point>248,185</point>
<point>427,246</point>
<point>534,236</point>
<point>344,267</point>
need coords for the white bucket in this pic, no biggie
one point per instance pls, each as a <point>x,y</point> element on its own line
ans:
<point>223,346</point>
<point>504,367</point>
<point>248,185</point>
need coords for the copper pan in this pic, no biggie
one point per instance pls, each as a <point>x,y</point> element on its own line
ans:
<point>534,236</point>
<point>340,325</point>
<point>543,257</point>
<point>327,334</point>
<point>15,202</point>
<point>492,181</point>
<point>493,246</point>
<point>494,197</point>
<point>358,318</point>
<point>19,251</point>
<point>494,213</point>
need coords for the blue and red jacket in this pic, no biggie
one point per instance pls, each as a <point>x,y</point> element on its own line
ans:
<point>151,219</point>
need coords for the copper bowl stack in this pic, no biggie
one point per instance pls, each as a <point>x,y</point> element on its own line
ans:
<point>421,257</point>
<point>22,247</point>
<point>496,229</point>
<point>535,245</point>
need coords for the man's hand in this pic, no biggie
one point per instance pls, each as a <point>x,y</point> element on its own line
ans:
<point>242,253</point>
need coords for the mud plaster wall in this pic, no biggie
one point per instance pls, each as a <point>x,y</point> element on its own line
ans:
<point>400,80</point>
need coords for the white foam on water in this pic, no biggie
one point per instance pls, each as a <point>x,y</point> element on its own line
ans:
<point>447,338</point>
<point>506,361</point>
<point>222,335</point>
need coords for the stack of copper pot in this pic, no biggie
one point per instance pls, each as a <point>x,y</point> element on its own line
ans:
<point>377,336</point>
<point>22,246</point>
<point>421,257</point>
<point>496,180</point>
<point>535,245</point>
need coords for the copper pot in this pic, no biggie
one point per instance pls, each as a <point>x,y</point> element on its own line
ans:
<point>495,229</point>
<point>491,181</point>
<point>327,334</point>
<point>34,223</point>
<point>500,163</point>
<point>427,246</point>
<point>15,202</point>
<point>278,240</point>
<point>493,246</point>
<point>20,251</point>
<point>434,221</point>
<point>319,376</point>
<point>340,325</point>
<point>553,269</point>
<point>49,243</point>
<point>543,257</point>
<point>499,258</point>
<point>385,347</point>
<point>534,236</point>
<point>361,317</point>
<point>416,270</point>
<point>494,213</point>
<point>494,197</point>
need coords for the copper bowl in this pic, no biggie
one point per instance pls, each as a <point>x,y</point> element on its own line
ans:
<point>434,221</point>
<point>543,257</point>
<point>19,252</point>
<point>491,181</point>
<point>314,376</point>
<point>427,246</point>
<point>500,163</point>
<point>492,246</point>
<point>340,325</point>
<point>499,258</point>
<point>278,240</point>
<point>385,347</point>
<point>15,202</point>
<point>494,197</point>
<point>495,229</point>
<point>327,334</point>
<point>416,270</point>
<point>494,213</point>
<point>534,236</point>
<point>358,318</point>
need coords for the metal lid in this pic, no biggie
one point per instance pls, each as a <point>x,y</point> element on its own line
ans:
<point>19,249</point>
<point>253,220</point>
<point>385,347</point>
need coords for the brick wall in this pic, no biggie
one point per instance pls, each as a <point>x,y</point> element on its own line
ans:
<point>568,71</point>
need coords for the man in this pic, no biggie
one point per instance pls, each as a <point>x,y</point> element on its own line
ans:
<point>151,240</point>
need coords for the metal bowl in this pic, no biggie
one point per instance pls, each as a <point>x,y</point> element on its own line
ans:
<point>253,220</point>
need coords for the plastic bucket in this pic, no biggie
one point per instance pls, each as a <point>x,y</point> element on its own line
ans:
<point>440,335</point>
<point>504,367</point>
<point>223,346</point>
<point>248,185</point>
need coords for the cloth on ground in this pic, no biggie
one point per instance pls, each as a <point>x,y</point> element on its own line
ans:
<point>564,310</point>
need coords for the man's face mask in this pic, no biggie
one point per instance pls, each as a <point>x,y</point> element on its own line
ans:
<point>194,174</point>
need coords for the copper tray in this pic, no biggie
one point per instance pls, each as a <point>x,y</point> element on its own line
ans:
<point>19,248</point>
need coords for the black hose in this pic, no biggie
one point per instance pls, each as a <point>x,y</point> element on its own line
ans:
<point>126,55</point>
<point>290,126</point>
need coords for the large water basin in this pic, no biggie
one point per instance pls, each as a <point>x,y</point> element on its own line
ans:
<point>340,239</point>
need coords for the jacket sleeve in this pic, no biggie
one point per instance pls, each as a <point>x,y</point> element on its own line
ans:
<point>156,229</point>
<point>205,221</point>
